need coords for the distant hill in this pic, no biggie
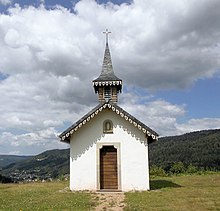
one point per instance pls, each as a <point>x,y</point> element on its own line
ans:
<point>201,148</point>
<point>5,160</point>
<point>49,164</point>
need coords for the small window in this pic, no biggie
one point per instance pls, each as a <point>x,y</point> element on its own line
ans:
<point>107,126</point>
<point>107,93</point>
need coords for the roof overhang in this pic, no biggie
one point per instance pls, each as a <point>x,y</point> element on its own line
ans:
<point>107,83</point>
<point>66,135</point>
<point>97,84</point>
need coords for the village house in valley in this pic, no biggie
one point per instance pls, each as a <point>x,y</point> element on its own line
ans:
<point>108,146</point>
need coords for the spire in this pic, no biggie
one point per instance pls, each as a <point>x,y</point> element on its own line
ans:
<point>107,85</point>
<point>107,62</point>
<point>107,73</point>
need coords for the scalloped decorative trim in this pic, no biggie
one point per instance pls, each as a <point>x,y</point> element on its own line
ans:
<point>107,83</point>
<point>121,114</point>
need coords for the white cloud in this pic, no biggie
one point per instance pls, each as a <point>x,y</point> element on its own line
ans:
<point>181,56</point>
<point>5,2</point>
<point>52,55</point>
<point>163,117</point>
<point>159,115</point>
<point>36,101</point>
<point>30,143</point>
<point>198,124</point>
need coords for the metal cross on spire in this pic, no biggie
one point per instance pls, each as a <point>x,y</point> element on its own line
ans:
<point>106,34</point>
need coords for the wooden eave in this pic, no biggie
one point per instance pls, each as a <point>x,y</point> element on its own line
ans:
<point>117,84</point>
<point>66,135</point>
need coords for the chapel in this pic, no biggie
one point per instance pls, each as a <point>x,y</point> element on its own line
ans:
<point>108,146</point>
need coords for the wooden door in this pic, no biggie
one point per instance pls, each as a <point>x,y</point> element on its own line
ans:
<point>108,168</point>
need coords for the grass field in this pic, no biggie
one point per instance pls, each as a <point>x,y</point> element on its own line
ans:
<point>42,196</point>
<point>180,193</point>
<point>168,193</point>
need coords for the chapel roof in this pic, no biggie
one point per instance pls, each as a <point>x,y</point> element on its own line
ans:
<point>107,75</point>
<point>65,136</point>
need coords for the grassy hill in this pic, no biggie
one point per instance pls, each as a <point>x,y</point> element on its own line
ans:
<point>201,149</point>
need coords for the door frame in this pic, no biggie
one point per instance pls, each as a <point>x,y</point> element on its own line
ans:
<point>116,146</point>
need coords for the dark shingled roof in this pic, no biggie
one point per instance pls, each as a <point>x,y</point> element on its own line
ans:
<point>107,73</point>
<point>65,136</point>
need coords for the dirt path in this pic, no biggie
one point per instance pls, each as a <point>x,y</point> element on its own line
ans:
<point>110,201</point>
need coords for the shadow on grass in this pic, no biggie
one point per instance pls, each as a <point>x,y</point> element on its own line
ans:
<point>159,184</point>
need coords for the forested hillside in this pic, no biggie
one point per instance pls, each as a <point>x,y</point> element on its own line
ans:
<point>8,159</point>
<point>49,164</point>
<point>201,149</point>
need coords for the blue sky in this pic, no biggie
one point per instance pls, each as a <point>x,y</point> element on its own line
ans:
<point>50,3</point>
<point>202,98</point>
<point>166,53</point>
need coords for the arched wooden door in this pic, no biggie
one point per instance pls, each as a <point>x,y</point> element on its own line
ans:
<point>108,168</point>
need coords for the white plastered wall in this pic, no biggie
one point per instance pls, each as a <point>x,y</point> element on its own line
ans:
<point>133,153</point>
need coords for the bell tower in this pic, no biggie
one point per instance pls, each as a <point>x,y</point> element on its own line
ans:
<point>107,85</point>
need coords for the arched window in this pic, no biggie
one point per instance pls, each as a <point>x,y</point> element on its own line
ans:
<point>107,126</point>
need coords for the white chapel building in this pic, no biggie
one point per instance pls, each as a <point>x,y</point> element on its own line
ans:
<point>108,146</point>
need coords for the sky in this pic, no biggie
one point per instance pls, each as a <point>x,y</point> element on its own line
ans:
<point>166,52</point>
